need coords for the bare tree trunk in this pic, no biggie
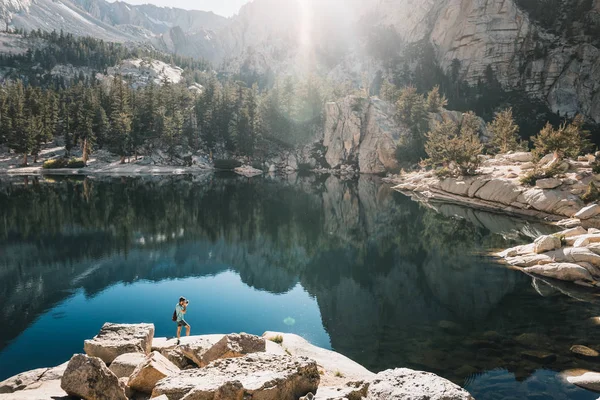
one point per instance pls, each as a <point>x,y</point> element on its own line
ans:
<point>85,151</point>
<point>25,159</point>
<point>35,160</point>
<point>122,159</point>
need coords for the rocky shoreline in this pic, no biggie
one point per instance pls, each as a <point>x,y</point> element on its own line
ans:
<point>498,188</point>
<point>126,361</point>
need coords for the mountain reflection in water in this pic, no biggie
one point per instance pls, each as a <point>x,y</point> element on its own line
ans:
<point>355,266</point>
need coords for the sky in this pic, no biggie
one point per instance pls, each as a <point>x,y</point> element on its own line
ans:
<point>225,8</point>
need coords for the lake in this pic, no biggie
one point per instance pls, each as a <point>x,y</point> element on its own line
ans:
<point>349,265</point>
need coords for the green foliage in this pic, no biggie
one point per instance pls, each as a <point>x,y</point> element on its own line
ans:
<point>227,164</point>
<point>505,133</point>
<point>596,168</point>
<point>277,339</point>
<point>436,101</point>
<point>568,140</point>
<point>455,146</point>
<point>304,167</point>
<point>592,193</point>
<point>58,163</point>
<point>443,173</point>
<point>531,178</point>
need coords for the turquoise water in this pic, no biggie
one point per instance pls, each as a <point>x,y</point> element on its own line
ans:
<point>351,266</point>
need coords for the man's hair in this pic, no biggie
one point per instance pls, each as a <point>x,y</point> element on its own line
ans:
<point>181,299</point>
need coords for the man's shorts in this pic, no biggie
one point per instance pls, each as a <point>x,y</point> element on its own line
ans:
<point>182,323</point>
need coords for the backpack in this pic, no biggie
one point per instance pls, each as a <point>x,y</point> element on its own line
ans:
<point>174,315</point>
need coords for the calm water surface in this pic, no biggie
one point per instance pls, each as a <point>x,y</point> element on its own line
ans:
<point>350,266</point>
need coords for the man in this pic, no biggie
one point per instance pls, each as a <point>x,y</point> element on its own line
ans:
<point>181,309</point>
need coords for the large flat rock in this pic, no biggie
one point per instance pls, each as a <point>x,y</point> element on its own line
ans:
<point>261,375</point>
<point>114,340</point>
<point>405,384</point>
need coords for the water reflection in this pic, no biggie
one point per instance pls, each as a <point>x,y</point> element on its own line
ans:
<point>354,265</point>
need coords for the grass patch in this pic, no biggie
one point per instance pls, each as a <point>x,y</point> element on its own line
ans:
<point>64,163</point>
<point>338,374</point>
<point>443,173</point>
<point>288,352</point>
<point>277,339</point>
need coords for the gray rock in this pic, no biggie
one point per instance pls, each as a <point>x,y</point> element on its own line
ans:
<point>403,384</point>
<point>546,243</point>
<point>154,368</point>
<point>561,271</point>
<point>195,351</point>
<point>261,375</point>
<point>521,156</point>
<point>586,379</point>
<point>549,183</point>
<point>90,379</point>
<point>124,365</point>
<point>235,345</point>
<point>26,379</point>
<point>116,339</point>
<point>588,212</point>
<point>584,351</point>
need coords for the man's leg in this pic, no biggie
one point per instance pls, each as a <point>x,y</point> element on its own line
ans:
<point>188,328</point>
<point>178,331</point>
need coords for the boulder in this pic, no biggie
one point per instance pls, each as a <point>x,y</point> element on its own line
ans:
<point>577,231</point>
<point>588,212</point>
<point>546,243</point>
<point>26,379</point>
<point>154,368</point>
<point>549,183</point>
<point>584,351</point>
<point>561,271</point>
<point>176,356</point>
<point>124,365</point>
<point>90,379</point>
<point>527,166</point>
<point>402,384</point>
<point>261,376</point>
<point>195,351</point>
<point>235,345</point>
<point>586,379</point>
<point>351,391</point>
<point>116,339</point>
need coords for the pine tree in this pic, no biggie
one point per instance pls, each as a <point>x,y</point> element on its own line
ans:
<point>505,132</point>
<point>568,140</point>
<point>436,101</point>
<point>456,147</point>
<point>120,119</point>
<point>20,138</point>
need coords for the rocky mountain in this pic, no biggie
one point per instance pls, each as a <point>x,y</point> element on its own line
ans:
<point>548,50</point>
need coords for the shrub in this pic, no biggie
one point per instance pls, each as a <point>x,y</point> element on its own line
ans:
<point>258,165</point>
<point>531,178</point>
<point>55,163</point>
<point>76,163</point>
<point>455,147</point>
<point>227,164</point>
<point>592,194</point>
<point>64,163</point>
<point>443,173</point>
<point>505,133</point>
<point>567,140</point>
<point>277,339</point>
<point>596,168</point>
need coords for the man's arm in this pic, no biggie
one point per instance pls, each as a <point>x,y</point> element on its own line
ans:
<point>183,308</point>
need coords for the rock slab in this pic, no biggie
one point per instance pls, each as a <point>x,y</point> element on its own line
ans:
<point>261,376</point>
<point>403,384</point>
<point>114,340</point>
<point>90,379</point>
